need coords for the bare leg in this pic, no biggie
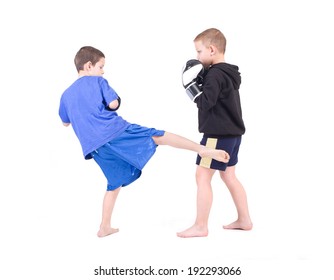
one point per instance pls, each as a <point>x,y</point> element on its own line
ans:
<point>108,206</point>
<point>204,203</point>
<point>239,197</point>
<point>181,142</point>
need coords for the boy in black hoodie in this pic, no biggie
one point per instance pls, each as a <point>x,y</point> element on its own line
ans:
<point>220,121</point>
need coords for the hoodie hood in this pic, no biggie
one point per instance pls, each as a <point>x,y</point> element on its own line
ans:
<point>232,71</point>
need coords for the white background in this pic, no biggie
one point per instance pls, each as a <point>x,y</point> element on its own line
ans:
<point>50,197</point>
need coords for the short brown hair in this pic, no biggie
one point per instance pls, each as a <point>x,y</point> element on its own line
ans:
<point>212,36</point>
<point>86,54</point>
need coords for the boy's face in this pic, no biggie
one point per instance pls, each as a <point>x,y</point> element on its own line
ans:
<point>97,69</point>
<point>204,54</point>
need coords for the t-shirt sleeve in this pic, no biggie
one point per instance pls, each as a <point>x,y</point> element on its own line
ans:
<point>63,113</point>
<point>109,94</point>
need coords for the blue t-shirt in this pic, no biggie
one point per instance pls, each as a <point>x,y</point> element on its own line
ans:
<point>85,105</point>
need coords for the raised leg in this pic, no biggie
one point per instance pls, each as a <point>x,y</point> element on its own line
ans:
<point>181,142</point>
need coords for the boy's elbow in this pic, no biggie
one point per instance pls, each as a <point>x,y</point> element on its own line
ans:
<point>66,124</point>
<point>114,105</point>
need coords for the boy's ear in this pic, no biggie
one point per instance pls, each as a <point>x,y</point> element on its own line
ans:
<point>212,49</point>
<point>87,66</point>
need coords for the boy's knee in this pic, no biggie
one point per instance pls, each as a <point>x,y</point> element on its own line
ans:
<point>227,175</point>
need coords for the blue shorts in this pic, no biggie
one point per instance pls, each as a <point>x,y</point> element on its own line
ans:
<point>228,144</point>
<point>123,158</point>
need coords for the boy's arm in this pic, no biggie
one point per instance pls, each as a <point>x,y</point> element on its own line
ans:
<point>111,100</point>
<point>66,124</point>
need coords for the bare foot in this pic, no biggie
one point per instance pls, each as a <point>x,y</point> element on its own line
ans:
<point>239,225</point>
<point>194,231</point>
<point>219,155</point>
<point>106,231</point>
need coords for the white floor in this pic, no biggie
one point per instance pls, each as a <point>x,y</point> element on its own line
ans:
<point>52,233</point>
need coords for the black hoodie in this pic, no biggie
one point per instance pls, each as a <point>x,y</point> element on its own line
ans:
<point>219,108</point>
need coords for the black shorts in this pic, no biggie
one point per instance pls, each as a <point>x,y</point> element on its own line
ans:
<point>228,144</point>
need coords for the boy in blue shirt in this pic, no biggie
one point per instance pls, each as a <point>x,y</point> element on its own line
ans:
<point>120,148</point>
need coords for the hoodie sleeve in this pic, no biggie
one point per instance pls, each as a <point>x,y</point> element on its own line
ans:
<point>220,81</point>
<point>211,91</point>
